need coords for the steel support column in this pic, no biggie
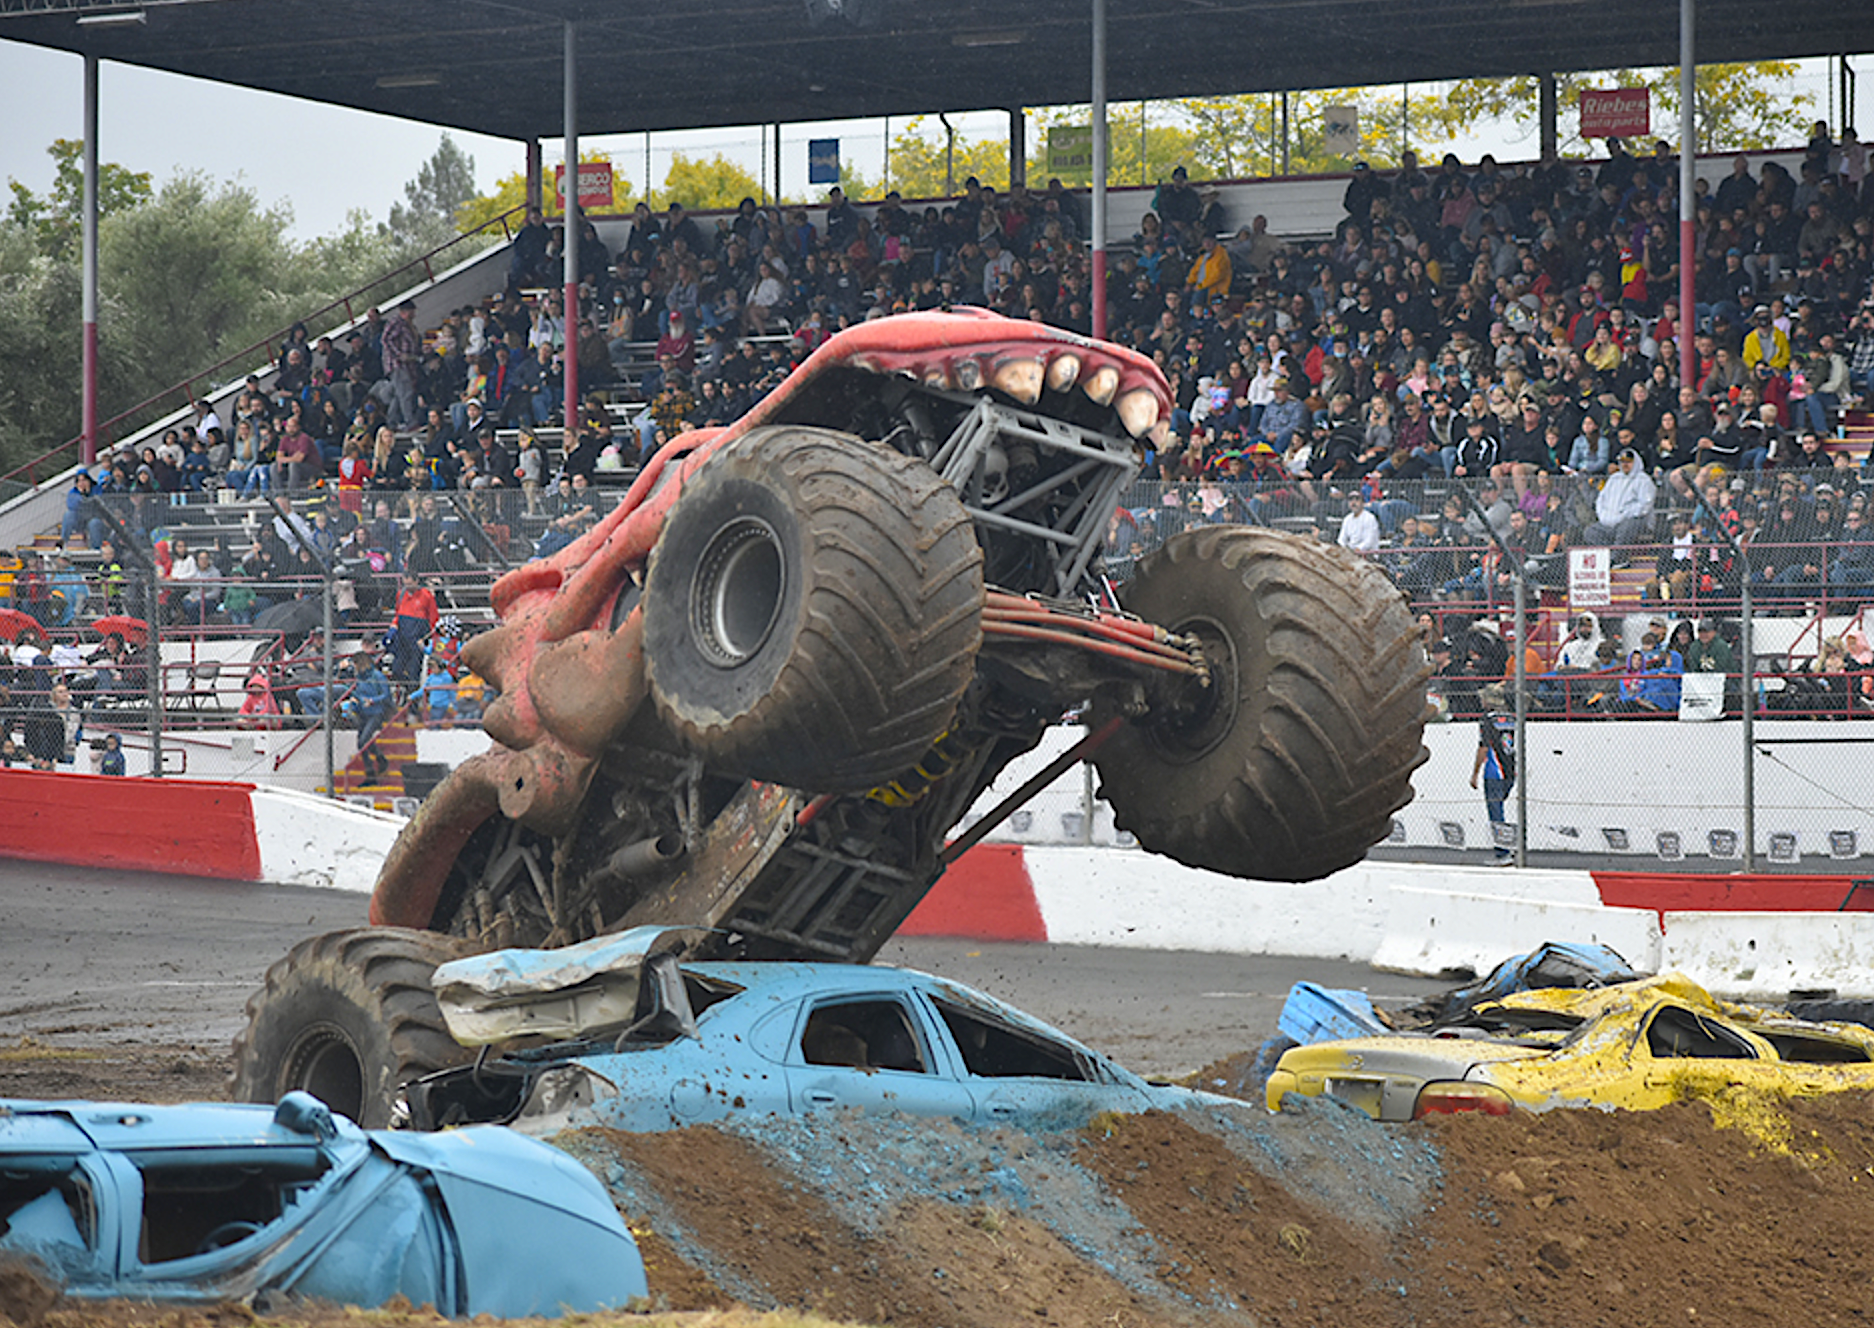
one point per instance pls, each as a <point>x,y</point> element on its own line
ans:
<point>1018,147</point>
<point>569,438</point>
<point>1099,168</point>
<point>1547,114</point>
<point>533,173</point>
<point>1688,215</point>
<point>89,352</point>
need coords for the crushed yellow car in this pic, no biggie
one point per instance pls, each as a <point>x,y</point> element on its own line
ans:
<point>1633,1046</point>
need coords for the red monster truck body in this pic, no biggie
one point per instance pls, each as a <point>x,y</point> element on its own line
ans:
<point>758,696</point>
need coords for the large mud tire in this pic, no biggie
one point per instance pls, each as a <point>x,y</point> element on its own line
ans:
<point>348,1017</point>
<point>813,610</point>
<point>1294,762</point>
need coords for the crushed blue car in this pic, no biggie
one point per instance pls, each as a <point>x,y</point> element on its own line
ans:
<point>1327,1014</point>
<point>209,1202</point>
<point>644,1041</point>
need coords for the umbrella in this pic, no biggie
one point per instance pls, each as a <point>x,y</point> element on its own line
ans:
<point>135,631</point>
<point>13,622</point>
<point>293,618</point>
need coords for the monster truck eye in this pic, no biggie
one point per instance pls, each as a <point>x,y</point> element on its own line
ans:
<point>737,591</point>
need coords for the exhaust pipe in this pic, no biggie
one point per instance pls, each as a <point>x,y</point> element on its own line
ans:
<point>645,855</point>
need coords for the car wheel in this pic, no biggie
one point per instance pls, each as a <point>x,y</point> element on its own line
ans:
<point>1291,763</point>
<point>813,610</point>
<point>348,1017</point>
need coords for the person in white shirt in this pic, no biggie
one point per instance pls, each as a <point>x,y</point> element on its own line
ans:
<point>1623,510</point>
<point>1359,529</point>
<point>1578,651</point>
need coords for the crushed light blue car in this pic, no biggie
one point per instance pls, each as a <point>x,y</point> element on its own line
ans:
<point>646,1042</point>
<point>209,1202</point>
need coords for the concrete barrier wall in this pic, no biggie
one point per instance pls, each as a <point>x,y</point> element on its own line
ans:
<point>1403,917</point>
<point>1435,932</point>
<point>1768,955</point>
<point>192,827</point>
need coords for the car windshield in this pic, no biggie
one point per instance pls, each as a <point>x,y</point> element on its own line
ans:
<point>993,1049</point>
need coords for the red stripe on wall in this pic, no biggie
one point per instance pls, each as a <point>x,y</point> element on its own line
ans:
<point>986,896</point>
<point>188,827</point>
<point>1691,892</point>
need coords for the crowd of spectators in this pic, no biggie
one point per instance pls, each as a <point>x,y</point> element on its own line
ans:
<point>1516,329</point>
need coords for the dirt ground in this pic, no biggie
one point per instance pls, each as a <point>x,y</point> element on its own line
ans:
<point>1228,1216</point>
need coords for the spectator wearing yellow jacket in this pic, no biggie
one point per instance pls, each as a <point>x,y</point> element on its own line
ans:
<point>1766,343</point>
<point>1210,275</point>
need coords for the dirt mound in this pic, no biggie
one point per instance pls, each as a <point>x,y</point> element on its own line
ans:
<point>1651,1219</point>
<point>26,1292</point>
<point>1744,1214</point>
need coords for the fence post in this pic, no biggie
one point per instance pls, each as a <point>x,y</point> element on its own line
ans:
<point>325,665</point>
<point>1522,721</point>
<point>1522,703</point>
<point>1747,677</point>
<point>152,599</point>
<point>1748,670</point>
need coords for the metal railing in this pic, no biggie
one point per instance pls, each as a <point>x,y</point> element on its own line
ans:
<point>1634,757</point>
<point>52,461</point>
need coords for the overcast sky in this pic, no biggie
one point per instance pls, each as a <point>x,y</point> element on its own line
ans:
<point>323,161</point>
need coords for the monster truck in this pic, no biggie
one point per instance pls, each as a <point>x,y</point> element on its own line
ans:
<point>848,611</point>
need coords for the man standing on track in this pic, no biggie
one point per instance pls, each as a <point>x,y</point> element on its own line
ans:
<point>1496,763</point>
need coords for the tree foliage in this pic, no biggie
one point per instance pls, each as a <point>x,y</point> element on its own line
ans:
<point>56,220</point>
<point>1131,158</point>
<point>426,219</point>
<point>705,182</point>
<point>917,162</point>
<point>1736,107</point>
<point>1242,135</point>
<point>510,192</point>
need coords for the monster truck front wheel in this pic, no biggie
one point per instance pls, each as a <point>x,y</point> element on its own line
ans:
<point>348,1017</point>
<point>813,610</point>
<point>1291,763</point>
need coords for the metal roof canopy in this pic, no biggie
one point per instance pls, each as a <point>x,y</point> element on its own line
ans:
<point>494,66</point>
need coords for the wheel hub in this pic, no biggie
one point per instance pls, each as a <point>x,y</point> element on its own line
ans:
<point>1201,716</point>
<point>325,1063</point>
<point>736,594</point>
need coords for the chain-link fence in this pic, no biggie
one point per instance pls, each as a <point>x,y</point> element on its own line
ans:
<point>190,634</point>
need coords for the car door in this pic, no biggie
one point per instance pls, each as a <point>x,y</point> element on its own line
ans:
<point>1684,1053</point>
<point>876,1053</point>
<point>1015,1072</point>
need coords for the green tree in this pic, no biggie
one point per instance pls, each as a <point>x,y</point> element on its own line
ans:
<point>56,220</point>
<point>1167,143</point>
<point>918,160</point>
<point>426,219</point>
<point>706,182</point>
<point>201,270</point>
<point>40,298</point>
<point>510,192</point>
<point>1736,107</point>
<point>1242,135</point>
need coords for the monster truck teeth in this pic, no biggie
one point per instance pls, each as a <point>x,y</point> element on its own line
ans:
<point>1101,384</point>
<point>1021,379</point>
<point>1062,372</point>
<point>969,375</point>
<point>1138,411</point>
<point>937,376</point>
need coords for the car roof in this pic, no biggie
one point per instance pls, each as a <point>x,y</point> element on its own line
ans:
<point>779,980</point>
<point>42,1126</point>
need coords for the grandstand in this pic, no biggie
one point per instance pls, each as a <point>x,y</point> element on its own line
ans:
<point>1294,296</point>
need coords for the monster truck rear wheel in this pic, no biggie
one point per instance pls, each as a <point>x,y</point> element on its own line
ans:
<point>813,610</point>
<point>348,1017</point>
<point>1291,764</point>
